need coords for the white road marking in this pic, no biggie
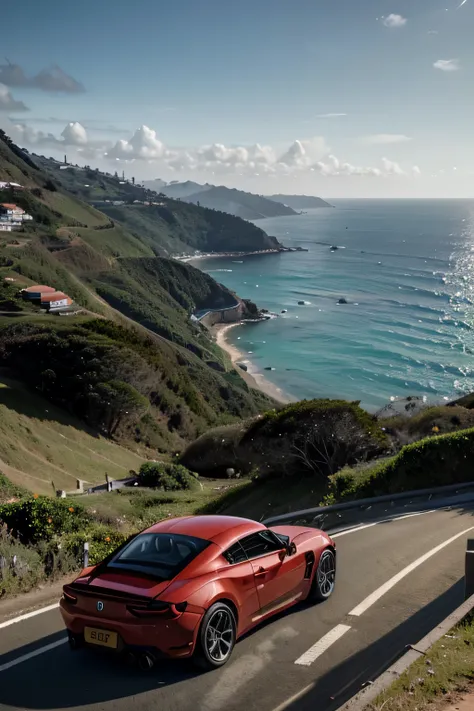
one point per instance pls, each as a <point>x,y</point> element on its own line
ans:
<point>322,645</point>
<point>31,655</point>
<point>14,620</point>
<point>353,530</point>
<point>376,523</point>
<point>377,594</point>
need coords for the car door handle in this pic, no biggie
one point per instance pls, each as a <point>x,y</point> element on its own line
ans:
<point>260,573</point>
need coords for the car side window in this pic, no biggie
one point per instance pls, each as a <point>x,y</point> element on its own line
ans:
<point>260,543</point>
<point>235,554</point>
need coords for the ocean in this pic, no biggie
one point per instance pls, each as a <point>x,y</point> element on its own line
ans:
<point>406,269</point>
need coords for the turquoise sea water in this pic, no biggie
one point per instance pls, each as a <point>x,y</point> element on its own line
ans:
<point>407,269</point>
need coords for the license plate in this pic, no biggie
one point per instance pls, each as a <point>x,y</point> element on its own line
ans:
<point>103,638</point>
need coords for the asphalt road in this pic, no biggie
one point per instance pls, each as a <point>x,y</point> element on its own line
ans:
<point>396,580</point>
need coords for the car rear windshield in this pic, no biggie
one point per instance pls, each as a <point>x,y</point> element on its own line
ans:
<point>158,555</point>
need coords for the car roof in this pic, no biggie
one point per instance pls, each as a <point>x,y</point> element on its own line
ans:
<point>222,530</point>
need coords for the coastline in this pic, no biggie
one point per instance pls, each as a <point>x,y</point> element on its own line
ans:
<point>253,379</point>
<point>220,255</point>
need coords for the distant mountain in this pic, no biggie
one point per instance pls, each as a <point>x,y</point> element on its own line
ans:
<point>235,202</point>
<point>181,190</point>
<point>155,184</point>
<point>300,202</point>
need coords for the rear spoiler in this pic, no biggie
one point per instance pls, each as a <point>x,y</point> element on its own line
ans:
<point>106,593</point>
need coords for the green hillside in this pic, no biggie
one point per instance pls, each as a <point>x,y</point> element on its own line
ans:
<point>132,365</point>
<point>41,443</point>
<point>168,228</point>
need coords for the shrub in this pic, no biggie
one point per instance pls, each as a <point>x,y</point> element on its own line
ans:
<point>169,477</point>
<point>9,490</point>
<point>435,461</point>
<point>41,518</point>
<point>22,567</point>
<point>50,185</point>
<point>102,542</point>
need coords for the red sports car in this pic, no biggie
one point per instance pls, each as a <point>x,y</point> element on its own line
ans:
<point>192,586</point>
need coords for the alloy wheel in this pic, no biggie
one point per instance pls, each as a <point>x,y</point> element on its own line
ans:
<point>220,635</point>
<point>326,573</point>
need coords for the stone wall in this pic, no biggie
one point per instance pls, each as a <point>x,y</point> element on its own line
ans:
<point>230,315</point>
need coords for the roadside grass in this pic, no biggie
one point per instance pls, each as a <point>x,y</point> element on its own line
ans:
<point>130,510</point>
<point>437,679</point>
<point>41,443</point>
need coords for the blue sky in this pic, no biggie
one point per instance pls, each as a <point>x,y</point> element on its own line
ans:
<point>252,73</point>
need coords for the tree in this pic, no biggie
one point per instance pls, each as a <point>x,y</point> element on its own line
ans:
<point>332,443</point>
<point>121,402</point>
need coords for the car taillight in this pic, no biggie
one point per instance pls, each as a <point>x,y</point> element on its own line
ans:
<point>157,607</point>
<point>70,599</point>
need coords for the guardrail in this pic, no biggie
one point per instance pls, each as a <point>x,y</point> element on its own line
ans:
<point>329,518</point>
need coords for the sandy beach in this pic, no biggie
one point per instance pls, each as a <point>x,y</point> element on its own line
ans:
<point>253,379</point>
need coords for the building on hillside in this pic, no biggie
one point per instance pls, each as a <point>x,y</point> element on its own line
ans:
<point>5,186</point>
<point>10,210</point>
<point>55,301</point>
<point>5,227</point>
<point>34,293</point>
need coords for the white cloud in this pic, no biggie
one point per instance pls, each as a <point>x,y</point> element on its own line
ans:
<point>447,65</point>
<point>433,32</point>
<point>304,157</point>
<point>323,116</point>
<point>302,154</point>
<point>394,20</point>
<point>8,103</point>
<point>333,167</point>
<point>391,168</point>
<point>380,139</point>
<point>75,134</point>
<point>143,145</point>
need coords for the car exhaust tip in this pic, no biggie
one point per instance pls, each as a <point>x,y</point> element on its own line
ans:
<point>74,641</point>
<point>146,661</point>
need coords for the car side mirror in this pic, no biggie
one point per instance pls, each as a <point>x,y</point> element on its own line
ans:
<point>289,550</point>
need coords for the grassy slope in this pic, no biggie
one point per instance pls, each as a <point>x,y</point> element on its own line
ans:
<point>180,227</point>
<point>40,443</point>
<point>438,682</point>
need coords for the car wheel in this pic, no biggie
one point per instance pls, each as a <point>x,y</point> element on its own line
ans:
<point>324,578</point>
<point>216,637</point>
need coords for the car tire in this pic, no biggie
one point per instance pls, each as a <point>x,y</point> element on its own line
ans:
<point>216,637</point>
<point>324,578</point>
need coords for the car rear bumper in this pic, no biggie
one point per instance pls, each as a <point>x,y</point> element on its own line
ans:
<point>173,638</point>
